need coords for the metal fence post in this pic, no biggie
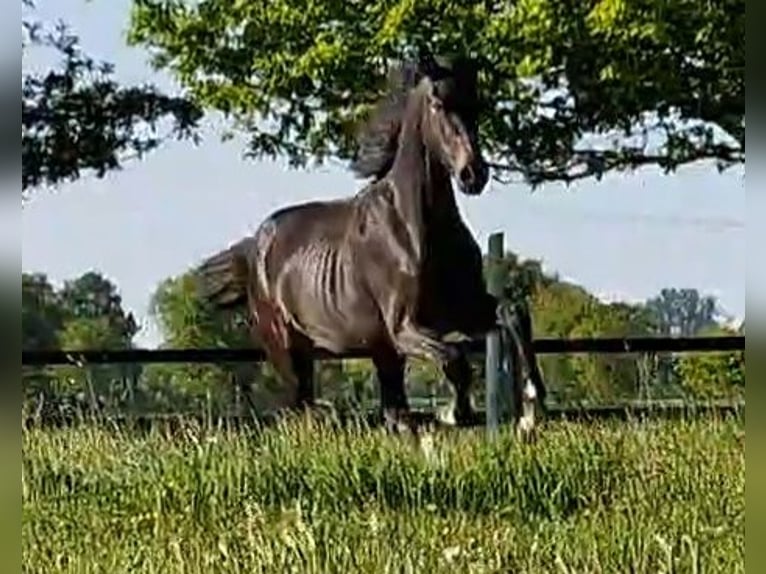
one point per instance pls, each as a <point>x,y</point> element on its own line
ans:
<point>497,399</point>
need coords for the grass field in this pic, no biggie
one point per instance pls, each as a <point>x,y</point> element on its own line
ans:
<point>608,497</point>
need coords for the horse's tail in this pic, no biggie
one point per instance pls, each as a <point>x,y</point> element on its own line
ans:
<point>223,277</point>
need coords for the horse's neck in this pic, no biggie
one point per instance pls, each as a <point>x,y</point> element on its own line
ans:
<point>422,188</point>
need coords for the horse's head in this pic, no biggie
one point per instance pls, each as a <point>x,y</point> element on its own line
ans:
<point>450,121</point>
<point>441,96</point>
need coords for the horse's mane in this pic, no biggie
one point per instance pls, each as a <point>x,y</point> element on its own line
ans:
<point>377,139</point>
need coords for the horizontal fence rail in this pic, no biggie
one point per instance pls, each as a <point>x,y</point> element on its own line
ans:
<point>615,345</point>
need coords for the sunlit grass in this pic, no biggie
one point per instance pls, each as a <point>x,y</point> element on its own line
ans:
<point>619,497</point>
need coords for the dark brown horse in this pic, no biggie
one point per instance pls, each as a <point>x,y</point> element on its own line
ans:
<point>392,269</point>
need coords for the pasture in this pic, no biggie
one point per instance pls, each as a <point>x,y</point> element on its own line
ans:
<point>653,496</point>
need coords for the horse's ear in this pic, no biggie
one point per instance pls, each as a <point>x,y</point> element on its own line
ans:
<point>466,70</point>
<point>403,75</point>
<point>427,64</point>
<point>462,69</point>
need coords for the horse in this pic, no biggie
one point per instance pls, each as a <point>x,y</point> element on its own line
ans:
<point>456,260</point>
<point>392,269</point>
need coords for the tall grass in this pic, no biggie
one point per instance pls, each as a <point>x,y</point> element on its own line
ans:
<point>640,497</point>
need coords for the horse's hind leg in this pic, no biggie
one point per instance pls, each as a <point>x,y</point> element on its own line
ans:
<point>292,363</point>
<point>530,359</point>
<point>295,368</point>
<point>529,387</point>
<point>520,327</point>
<point>302,357</point>
<point>303,367</point>
<point>393,397</point>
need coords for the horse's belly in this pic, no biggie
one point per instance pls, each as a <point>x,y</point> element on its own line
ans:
<point>336,321</point>
<point>339,333</point>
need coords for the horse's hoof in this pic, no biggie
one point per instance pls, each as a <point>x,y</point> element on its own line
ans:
<point>467,420</point>
<point>451,416</point>
<point>447,416</point>
<point>526,430</point>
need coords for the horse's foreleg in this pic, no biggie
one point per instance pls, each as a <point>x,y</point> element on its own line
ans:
<point>416,341</point>
<point>458,372</point>
<point>419,342</point>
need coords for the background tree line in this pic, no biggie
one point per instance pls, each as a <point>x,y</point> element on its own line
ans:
<point>87,312</point>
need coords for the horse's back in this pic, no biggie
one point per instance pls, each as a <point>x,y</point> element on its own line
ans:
<point>311,216</point>
<point>290,228</point>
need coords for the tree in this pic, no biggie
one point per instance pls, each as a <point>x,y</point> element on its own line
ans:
<point>86,313</point>
<point>41,322</point>
<point>679,312</point>
<point>565,310</point>
<point>608,377</point>
<point>76,117</point>
<point>682,312</point>
<point>94,299</point>
<point>524,277</point>
<point>41,314</point>
<point>569,89</point>
<point>94,318</point>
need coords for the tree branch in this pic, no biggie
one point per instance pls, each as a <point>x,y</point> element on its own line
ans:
<point>76,117</point>
<point>595,163</point>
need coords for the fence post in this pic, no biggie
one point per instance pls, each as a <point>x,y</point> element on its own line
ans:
<point>497,394</point>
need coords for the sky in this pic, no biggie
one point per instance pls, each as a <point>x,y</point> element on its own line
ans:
<point>625,237</point>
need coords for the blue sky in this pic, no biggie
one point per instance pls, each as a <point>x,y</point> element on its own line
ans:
<point>625,237</point>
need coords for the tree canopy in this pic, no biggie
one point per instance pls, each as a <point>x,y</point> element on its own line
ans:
<point>569,89</point>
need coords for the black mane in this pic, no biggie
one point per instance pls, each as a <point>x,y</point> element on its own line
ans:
<point>377,138</point>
